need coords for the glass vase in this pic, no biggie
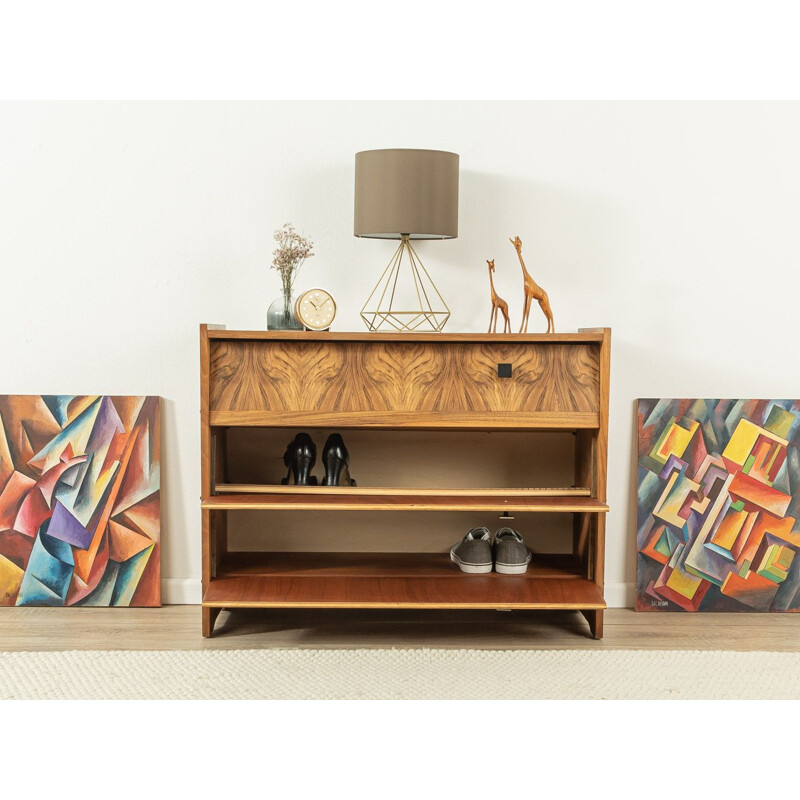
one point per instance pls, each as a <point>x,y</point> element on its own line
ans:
<point>280,316</point>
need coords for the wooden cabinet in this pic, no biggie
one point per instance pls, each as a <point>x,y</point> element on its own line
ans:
<point>395,382</point>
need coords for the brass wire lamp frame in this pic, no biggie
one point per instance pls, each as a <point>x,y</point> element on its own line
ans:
<point>434,313</point>
<point>406,194</point>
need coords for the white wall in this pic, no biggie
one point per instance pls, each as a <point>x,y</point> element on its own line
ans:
<point>123,226</point>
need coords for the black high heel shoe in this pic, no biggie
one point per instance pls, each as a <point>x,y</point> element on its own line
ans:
<point>337,462</point>
<point>300,457</point>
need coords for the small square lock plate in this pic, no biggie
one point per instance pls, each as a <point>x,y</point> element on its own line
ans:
<point>504,370</point>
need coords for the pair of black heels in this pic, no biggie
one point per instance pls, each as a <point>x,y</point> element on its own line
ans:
<point>301,455</point>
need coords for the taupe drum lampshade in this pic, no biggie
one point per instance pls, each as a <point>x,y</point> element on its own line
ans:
<point>406,192</point>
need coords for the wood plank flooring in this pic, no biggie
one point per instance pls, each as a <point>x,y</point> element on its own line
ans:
<point>178,627</point>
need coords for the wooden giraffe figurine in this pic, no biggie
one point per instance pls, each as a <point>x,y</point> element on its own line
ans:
<point>532,292</point>
<point>497,303</point>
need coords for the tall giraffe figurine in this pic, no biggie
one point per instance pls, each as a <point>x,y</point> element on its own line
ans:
<point>497,303</point>
<point>532,292</point>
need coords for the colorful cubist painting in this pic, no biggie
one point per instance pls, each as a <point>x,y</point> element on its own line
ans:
<point>718,505</point>
<point>79,501</point>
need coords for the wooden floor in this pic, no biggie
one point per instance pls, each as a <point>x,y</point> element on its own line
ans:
<point>178,627</point>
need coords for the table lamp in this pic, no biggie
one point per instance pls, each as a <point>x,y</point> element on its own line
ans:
<point>406,195</point>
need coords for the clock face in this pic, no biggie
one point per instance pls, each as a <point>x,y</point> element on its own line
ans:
<point>315,309</point>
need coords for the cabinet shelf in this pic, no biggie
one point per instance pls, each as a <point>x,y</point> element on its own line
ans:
<point>584,336</point>
<point>356,499</point>
<point>408,420</point>
<point>317,491</point>
<point>394,580</point>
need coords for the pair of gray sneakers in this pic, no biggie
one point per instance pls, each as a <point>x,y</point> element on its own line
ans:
<point>475,553</point>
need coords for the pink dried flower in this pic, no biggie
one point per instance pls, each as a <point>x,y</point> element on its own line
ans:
<point>293,249</point>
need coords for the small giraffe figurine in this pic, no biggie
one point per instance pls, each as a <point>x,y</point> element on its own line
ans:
<point>497,303</point>
<point>532,291</point>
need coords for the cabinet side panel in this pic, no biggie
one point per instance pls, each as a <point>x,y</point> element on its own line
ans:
<point>601,463</point>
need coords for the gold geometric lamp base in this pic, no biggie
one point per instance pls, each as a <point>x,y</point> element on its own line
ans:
<point>408,303</point>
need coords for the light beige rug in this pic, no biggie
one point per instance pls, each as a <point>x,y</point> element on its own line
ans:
<point>395,674</point>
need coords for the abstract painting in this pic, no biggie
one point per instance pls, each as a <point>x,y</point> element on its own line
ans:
<point>718,505</point>
<point>80,517</point>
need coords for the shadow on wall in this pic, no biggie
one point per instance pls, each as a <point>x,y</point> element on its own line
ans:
<point>569,241</point>
<point>566,242</point>
<point>637,360</point>
<point>175,548</point>
<point>327,195</point>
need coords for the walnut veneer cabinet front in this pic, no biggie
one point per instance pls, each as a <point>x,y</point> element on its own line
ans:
<point>421,382</point>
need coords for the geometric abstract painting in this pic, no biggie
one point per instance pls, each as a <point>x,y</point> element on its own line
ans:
<point>718,505</point>
<point>80,518</point>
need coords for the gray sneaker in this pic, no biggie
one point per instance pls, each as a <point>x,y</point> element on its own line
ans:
<point>511,557</point>
<point>474,552</point>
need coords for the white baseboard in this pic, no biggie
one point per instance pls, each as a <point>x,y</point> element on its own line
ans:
<point>188,591</point>
<point>619,595</point>
<point>181,591</point>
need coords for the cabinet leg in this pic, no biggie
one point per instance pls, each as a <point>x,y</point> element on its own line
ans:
<point>209,618</point>
<point>595,619</point>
